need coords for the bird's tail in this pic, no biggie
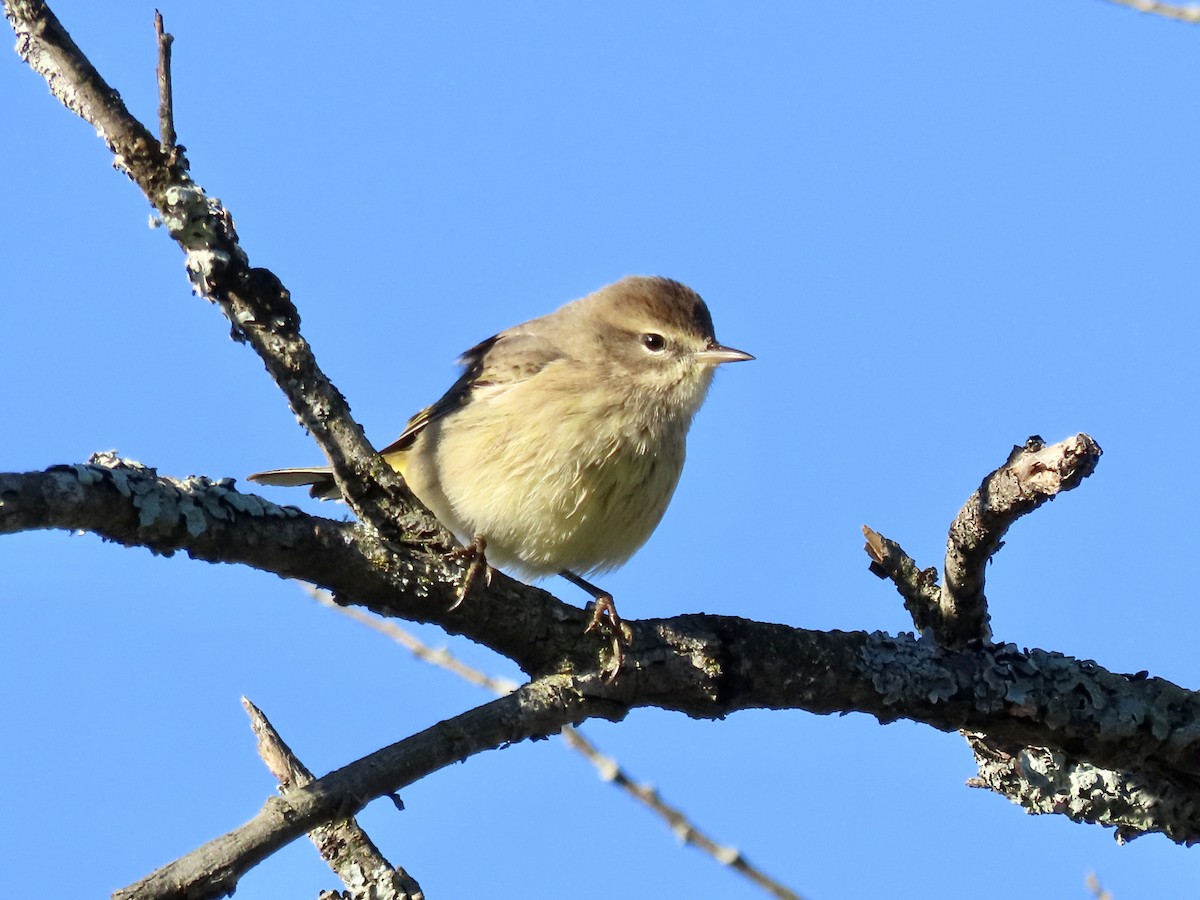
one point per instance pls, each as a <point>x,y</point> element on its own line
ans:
<point>319,480</point>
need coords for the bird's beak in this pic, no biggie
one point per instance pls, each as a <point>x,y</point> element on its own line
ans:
<point>715,354</point>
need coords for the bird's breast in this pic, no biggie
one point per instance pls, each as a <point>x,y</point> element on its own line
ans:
<point>567,491</point>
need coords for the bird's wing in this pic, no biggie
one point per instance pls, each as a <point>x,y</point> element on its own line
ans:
<point>524,355</point>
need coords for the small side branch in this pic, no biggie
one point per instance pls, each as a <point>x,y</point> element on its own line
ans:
<point>1032,475</point>
<point>166,101</point>
<point>43,43</point>
<point>918,587</point>
<point>956,613</point>
<point>343,844</point>
<point>678,821</point>
<point>537,709</point>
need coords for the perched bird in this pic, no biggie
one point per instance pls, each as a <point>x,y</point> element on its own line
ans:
<point>560,446</point>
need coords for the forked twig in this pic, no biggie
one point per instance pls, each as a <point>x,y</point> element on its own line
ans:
<point>956,613</point>
<point>343,844</point>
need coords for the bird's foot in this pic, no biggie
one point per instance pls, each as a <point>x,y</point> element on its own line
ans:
<point>476,553</point>
<point>605,618</point>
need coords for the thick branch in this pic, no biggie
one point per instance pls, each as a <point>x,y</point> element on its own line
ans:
<point>704,666</point>
<point>1013,696</point>
<point>130,504</point>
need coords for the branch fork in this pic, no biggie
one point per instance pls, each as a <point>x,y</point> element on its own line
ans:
<point>956,614</point>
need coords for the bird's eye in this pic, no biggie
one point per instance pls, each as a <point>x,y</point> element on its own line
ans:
<point>655,343</point>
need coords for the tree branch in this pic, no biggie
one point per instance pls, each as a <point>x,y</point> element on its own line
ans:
<point>536,710</point>
<point>131,504</point>
<point>1016,698</point>
<point>166,98</point>
<point>957,613</point>
<point>1032,475</point>
<point>1038,779</point>
<point>343,844</point>
<point>253,300</point>
<point>610,769</point>
<point>1045,781</point>
<point>919,587</point>
<point>702,665</point>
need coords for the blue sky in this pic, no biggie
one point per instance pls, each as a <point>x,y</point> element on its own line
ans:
<point>940,227</point>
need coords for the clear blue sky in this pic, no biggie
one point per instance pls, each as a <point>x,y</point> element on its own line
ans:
<point>940,227</point>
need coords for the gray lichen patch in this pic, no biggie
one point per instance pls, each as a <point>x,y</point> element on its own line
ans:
<point>164,504</point>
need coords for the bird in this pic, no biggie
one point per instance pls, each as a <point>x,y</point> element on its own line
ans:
<point>559,448</point>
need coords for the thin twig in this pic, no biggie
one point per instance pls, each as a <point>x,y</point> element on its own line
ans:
<point>1189,13</point>
<point>343,844</point>
<point>166,102</point>
<point>418,648</point>
<point>1097,889</point>
<point>610,770</point>
<point>919,587</point>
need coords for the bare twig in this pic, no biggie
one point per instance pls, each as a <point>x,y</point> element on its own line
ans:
<point>918,587</point>
<point>537,709</point>
<point>1189,13</point>
<point>680,825</point>
<point>166,102</point>
<point>343,844</point>
<point>1032,475</point>
<point>957,613</point>
<point>1094,885</point>
<point>610,770</point>
<point>440,657</point>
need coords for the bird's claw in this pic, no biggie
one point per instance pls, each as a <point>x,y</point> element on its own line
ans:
<point>605,618</point>
<point>476,553</point>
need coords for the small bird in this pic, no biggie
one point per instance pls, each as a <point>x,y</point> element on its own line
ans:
<point>559,447</point>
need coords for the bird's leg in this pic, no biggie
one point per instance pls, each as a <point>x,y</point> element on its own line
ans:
<point>604,616</point>
<point>476,552</point>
